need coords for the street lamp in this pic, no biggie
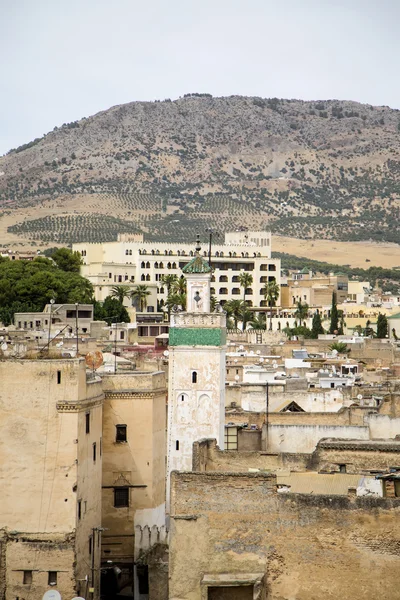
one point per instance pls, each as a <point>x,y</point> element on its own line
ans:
<point>211,232</point>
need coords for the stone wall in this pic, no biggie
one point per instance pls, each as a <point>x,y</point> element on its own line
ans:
<point>235,529</point>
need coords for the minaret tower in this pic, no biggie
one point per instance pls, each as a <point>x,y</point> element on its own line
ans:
<point>196,389</point>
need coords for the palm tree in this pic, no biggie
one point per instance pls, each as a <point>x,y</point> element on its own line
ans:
<point>120,292</point>
<point>170,281</point>
<point>271,293</point>
<point>258,322</point>
<point>234,310</point>
<point>140,294</point>
<point>176,300</point>
<point>179,286</point>
<point>301,311</point>
<point>245,281</point>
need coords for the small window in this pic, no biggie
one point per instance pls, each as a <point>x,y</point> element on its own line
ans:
<point>58,377</point>
<point>342,468</point>
<point>194,376</point>
<point>94,452</point>
<point>27,577</point>
<point>177,445</point>
<point>52,578</point>
<point>120,433</point>
<point>79,509</point>
<point>87,422</point>
<point>121,497</point>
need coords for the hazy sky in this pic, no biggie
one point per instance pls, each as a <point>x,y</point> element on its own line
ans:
<point>62,60</point>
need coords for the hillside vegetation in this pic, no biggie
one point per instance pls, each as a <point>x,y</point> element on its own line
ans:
<point>318,170</point>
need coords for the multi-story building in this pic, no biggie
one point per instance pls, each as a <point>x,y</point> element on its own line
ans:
<point>316,291</point>
<point>131,261</point>
<point>50,486</point>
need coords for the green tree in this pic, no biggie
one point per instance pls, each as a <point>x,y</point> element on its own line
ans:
<point>234,310</point>
<point>139,295</point>
<point>67,260</point>
<point>382,328</point>
<point>259,322</point>
<point>30,285</point>
<point>170,282</point>
<point>334,325</point>
<point>245,281</point>
<point>112,311</point>
<point>120,292</point>
<point>301,311</point>
<point>176,300</point>
<point>340,347</point>
<point>271,292</point>
<point>179,286</point>
<point>316,328</point>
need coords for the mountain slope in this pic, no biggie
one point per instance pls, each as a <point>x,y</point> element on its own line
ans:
<point>306,169</point>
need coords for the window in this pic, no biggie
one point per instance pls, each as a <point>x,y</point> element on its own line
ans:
<point>110,276</point>
<point>194,376</point>
<point>27,577</point>
<point>79,509</point>
<point>121,497</point>
<point>120,433</point>
<point>231,439</point>
<point>52,578</point>
<point>342,468</point>
<point>94,452</point>
<point>58,377</point>
<point>87,422</point>
<point>122,335</point>
<point>177,445</point>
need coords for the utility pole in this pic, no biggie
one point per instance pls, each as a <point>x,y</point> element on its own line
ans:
<point>76,329</point>
<point>48,340</point>
<point>92,565</point>
<point>115,346</point>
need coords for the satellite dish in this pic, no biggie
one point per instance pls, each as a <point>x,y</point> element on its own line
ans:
<point>94,359</point>
<point>359,397</point>
<point>166,352</point>
<point>78,598</point>
<point>334,352</point>
<point>4,346</point>
<point>51,595</point>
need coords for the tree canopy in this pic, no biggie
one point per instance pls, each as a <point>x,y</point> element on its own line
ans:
<point>67,260</point>
<point>30,285</point>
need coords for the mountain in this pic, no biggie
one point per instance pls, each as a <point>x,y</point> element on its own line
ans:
<point>323,169</point>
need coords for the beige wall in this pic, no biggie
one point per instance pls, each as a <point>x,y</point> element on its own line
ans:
<point>137,400</point>
<point>236,528</point>
<point>47,466</point>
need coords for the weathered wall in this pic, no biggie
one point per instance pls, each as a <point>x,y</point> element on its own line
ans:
<point>136,400</point>
<point>307,547</point>
<point>304,438</point>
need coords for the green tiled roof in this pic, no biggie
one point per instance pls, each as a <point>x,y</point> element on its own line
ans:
<point>305,271</point>
<point>396,316</point>
<point>197,265</point>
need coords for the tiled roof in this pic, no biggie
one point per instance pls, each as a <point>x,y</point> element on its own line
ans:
<point>197,265</point>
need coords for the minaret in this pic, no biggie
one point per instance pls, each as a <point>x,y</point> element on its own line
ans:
<point>196,389</point>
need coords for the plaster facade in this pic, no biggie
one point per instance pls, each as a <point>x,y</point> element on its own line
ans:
<point>50,483</point>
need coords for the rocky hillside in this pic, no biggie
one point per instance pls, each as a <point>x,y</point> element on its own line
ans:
<point>326,169</point>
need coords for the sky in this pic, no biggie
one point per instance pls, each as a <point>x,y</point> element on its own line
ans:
<point>62,60</point>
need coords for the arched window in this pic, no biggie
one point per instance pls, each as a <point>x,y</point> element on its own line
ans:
<point>221,254</point>
<point>127,252</point>
<point>194,376</point>
<point>161,265</point>
<point>147,265</point>
<point>170,253</point>
<point>223,291</point>
<point>230,253</point>
<point>223,278</point>
<point>179,252</point>
<point>143,277</point>
<point>156,265</point>
<point>166,252</point>
<point>174,265</point>
<point>236,291</point>
<point>144,252</point>
<point>191,253</point>
<point>204,253</point>
<point>157,252</point>
<point>249,291</point>
<point>143,264</point>
<point>153,252</point>
<point>169,265</point>
<point>130,252</point>
<point>147,277</point>
<point>217,253</point>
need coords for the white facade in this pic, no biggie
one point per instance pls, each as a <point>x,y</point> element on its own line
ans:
<point>196,391</point>
<point>131,261</point>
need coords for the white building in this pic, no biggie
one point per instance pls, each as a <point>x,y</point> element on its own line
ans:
<point>196,389</point>
<point>131,261</point>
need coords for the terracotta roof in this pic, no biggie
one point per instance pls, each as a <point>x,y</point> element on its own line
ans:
<point>197,265</point>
